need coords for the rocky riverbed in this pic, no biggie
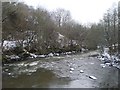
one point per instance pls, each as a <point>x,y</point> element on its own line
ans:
<point>69,71</point>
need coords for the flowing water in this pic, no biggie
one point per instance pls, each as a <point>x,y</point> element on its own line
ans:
<point>58,72</point>
<point>30,75</point>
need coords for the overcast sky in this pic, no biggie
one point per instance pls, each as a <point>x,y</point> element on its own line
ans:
<point>83,11</point>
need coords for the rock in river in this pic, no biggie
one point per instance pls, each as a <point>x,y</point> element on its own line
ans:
<point>71,69</point>
<point>81,71</point>
<point>92,77</point>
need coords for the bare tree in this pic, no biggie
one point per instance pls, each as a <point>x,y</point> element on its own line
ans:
<point>119,28</point>
<point>61,16</point>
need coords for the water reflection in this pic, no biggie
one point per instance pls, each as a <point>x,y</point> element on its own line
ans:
<point>40,79</point>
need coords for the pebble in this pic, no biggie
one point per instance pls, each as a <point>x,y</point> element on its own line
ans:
<point>81,71</point>
<point>9,73</point>
<point>91,63</point>
<point>92,77</point>
<point>33,63</point>
<point>72,69</point>
<point>103,65</point>
<point>71,72</point>
<point>6,69</point>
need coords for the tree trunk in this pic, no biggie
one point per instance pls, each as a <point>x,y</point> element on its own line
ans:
<point>119,28</point>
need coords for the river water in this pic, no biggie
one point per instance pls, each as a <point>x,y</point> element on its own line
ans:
<point>59,72</point>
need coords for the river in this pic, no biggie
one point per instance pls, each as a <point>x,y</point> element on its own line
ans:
<point>69,71</point>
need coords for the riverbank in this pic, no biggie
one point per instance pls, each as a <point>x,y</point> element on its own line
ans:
<point>27,55</point>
